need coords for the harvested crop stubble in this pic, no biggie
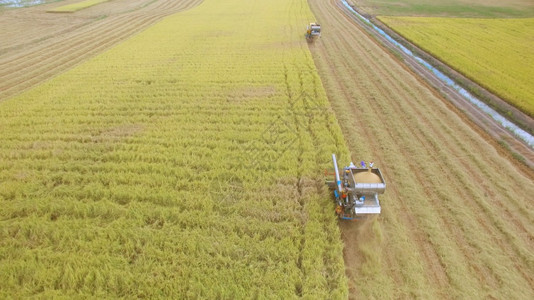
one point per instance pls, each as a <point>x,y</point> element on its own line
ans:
<point>458,215</point>
<point>185,162</point>
<point>447,8</point>
<point>36,46</point>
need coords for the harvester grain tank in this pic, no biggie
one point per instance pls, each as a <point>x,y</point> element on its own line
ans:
<point>313,31</point>
<point>356,190</point>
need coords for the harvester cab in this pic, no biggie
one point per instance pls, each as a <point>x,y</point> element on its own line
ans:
<point>313,31</point>
<point>356,190</point>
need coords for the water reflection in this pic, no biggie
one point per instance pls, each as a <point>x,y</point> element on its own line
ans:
<point>20,3</point>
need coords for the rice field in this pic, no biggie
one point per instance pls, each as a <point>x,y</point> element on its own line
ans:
<point>448,8</point>
<point>36,46</point>
<point>495,53</point>
<point>457,217</point>
<point>185,159</point>
<point>185,162</point>
<point>70,8</point>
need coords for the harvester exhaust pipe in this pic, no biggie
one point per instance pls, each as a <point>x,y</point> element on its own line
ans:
<point>338,181</point>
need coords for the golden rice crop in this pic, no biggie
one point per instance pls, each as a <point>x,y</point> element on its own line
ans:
<point>496,53</point>
<point>185,162</point>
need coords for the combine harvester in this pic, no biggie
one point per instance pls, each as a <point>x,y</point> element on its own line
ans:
<point>356,191</point>
<point>313,31</point>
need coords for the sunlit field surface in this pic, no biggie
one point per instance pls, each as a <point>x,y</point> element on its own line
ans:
<point>185,162</point>
<point>496,53</point>
<point>69,8</point>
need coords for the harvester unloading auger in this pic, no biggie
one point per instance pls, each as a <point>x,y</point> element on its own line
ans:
<point>356,190</point>
<point>313,32</point>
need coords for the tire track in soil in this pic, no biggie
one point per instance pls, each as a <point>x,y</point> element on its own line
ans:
<point>41,61</point>
<point>446,150</point>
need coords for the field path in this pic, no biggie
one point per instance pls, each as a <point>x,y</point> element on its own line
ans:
<point>36,45</point>
<point>457,217</point>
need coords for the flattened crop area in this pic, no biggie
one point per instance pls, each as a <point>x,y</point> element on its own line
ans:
<point>184,162</point>
<point>458,216</point>
<point>36,45</point>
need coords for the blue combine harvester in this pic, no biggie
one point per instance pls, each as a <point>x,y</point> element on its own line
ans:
<point>356,190</point>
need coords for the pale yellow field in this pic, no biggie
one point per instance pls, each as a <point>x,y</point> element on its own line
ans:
<point>77,6</point>
<point>186,162</point>
<point>496,53</point>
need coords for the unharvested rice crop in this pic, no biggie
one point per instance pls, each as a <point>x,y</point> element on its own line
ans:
<point>184,162</point>
<point>496,53</point>
<point>77,6</point>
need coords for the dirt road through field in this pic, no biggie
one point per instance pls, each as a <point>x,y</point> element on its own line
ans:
<point>457,215</point>
<point>36,45</point>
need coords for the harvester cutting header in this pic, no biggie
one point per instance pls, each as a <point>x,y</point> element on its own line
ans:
<point>356,190</point>
<point>313,31</point>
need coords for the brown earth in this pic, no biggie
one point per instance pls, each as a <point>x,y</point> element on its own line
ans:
<point>457,218</point>
<point>36,45</point>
